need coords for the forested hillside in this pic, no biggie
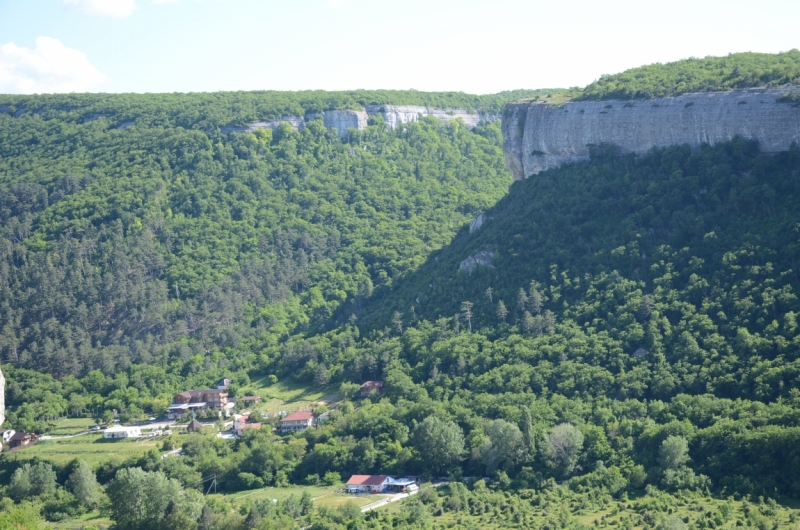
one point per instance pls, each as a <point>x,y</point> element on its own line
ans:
<point>735,71</point>
<point>153,244</point>
<point>629,345</point>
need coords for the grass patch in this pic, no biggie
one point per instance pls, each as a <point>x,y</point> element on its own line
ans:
<point>288,395</point>
<point>334,501</point>
<point>69,426</point>
<point>91,447</point>
<point>243,497</point>
<point>89,519</point>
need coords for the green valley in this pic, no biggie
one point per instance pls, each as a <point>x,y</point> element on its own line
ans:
<point>609,343</point>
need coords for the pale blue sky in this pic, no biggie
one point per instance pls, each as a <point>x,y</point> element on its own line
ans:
<point>475,46</point>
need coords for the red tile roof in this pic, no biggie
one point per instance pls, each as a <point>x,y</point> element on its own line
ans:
<point>367,480</point>
<point>298,416</point>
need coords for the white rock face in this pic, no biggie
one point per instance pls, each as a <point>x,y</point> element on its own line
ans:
<point>297,123</point>
<point>482,258</point>
<point>2,398</point>
<point>538,136</point>
<point>341,120</point>
<point>393,115</point>
<point>477,223</point>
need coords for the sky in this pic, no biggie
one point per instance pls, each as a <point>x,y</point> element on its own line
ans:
<point>475,46</point>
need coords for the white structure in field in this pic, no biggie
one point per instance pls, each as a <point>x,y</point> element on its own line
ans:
<point>122,432</point>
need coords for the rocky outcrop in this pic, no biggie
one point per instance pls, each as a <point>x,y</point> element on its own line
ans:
<point>393,115</point>
<point>296,122</point>
<point>539,136</point>
<point>341,120</point>
<point>477,223</point>
<point>482,258</point>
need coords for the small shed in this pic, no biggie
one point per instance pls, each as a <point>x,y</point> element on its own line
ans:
<point>250,400</point>
<point>194,426</point>
<point>372,387</point>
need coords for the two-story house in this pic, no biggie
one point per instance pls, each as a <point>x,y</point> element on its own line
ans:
<point>297,421</point>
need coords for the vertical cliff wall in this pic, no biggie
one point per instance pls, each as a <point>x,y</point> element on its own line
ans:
<point>538,136</point>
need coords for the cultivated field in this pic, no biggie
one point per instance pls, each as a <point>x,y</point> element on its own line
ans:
<point>90,447</point>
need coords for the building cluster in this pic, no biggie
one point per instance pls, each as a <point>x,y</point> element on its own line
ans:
<point>381,484</point>
<point>199,400</point>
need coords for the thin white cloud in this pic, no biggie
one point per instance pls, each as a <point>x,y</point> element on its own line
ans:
<point>103,8</point>
<point>50,67</point>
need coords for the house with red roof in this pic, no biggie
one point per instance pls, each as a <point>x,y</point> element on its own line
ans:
<point>381,484</point>
<point>297,421</point>
<point>367,483</point>
<point>245,426</point>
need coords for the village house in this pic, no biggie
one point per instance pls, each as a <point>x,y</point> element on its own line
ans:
<point>224,384</point>
<point>380,484</point>
<point>240,419</point>
<point>372,387</point>
<point>119,432</point>
<point>245,426</point>
<point>213,398</point>
<point>297,421</point>
<point>20,439</point>
<point>194,400</point>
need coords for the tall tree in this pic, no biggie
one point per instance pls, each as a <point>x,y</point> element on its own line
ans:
<point>502,312</point>
<point>83,484</point>
<point>139,499</point>
<point>466,310</point>
<point>563,447</point>
<point>440,443</point>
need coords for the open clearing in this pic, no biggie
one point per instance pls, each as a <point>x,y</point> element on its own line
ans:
<point>91,447</point>
<point>287,395</point>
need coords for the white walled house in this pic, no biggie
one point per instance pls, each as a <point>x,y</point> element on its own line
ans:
<point>297,421</point>
<point>122,432</point>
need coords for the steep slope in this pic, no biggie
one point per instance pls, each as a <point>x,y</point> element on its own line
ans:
<point>691,255</point>
<point>157,242</point>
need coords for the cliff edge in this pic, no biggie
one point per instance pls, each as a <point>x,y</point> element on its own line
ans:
<point>539,136</point>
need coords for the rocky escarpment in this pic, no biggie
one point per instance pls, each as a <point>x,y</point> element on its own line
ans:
<point>393,115</point>
<point>539,136</point>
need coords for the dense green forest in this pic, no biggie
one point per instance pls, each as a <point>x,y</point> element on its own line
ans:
<point>631,347</point>
<point>735,71</point>
<point>208,111</point>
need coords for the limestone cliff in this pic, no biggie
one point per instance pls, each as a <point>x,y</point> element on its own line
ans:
<point>393,115</point>
<point>538,136</point>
